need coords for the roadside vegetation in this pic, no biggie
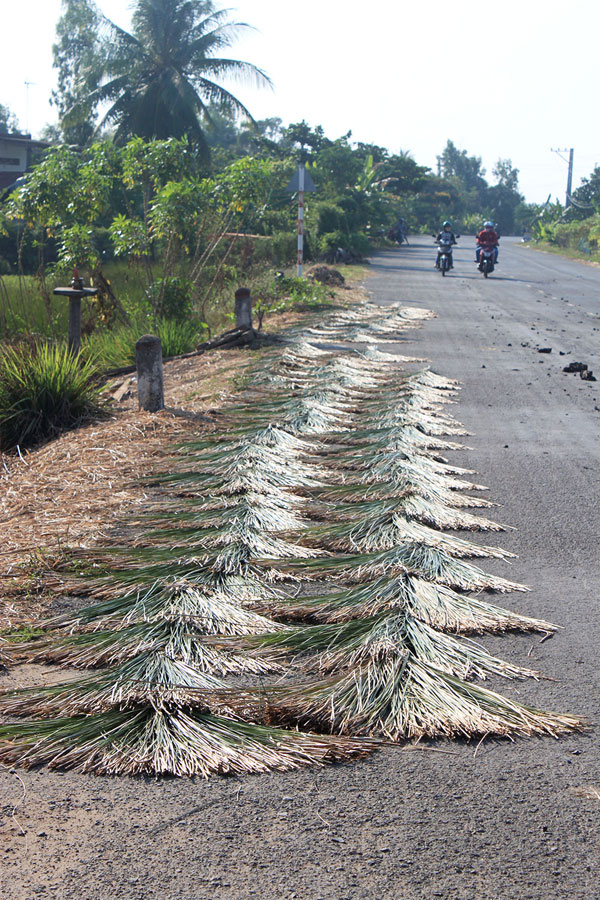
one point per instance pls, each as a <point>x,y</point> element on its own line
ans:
<point>573,230</point>
<point>164,193</point>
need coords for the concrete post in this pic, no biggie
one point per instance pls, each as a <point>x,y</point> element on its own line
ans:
<point>148,360</point>
<point>74,324</point>
<point>243,308</point>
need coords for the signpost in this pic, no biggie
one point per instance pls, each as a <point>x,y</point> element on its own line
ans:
<point>301,184</point>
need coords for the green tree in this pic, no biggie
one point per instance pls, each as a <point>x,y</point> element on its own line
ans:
<point>8,120</point>
<point>78,54</point>
<point>586,198</point>
<point>159,80</point>
<point>504,198</point>
<point>467,169</point>
<point>506,175</point>
<point>301,135</point>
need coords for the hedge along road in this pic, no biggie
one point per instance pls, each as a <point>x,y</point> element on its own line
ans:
<point>498,821</point>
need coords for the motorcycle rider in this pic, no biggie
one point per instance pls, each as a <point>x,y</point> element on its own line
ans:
<point>487,237</point>
<point>446,235</point>
<point>398,231</point>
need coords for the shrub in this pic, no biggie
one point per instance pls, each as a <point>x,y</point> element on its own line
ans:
<point>44,389</point>
<point>298,293</point>
<point>284,248</point>
<point>356,244</point>
<point>171,298</point>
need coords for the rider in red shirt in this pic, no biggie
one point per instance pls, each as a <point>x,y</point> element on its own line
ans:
<point>488,237</point>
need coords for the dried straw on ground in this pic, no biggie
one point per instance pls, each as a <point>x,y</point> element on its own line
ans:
<point>402,698</point>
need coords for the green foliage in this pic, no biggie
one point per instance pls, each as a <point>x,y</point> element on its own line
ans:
<point>287,292</point>
<point>171,298</point>
<point>129,237</point>
<point>8,120</point>
<point>156,81</point>
<point>355,242</point>
<point>586,199</point>
<point>178,337</point>
<point>116,349</point>
<point>21,635</point>
<point>44,389</point>
<point>284,248</point>
<point>77,247</point>
<point>300,293</point>
<point>579,238</point>
<point>77,53</point>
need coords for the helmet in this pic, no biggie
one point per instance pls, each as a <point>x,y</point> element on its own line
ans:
<point>446,224</point>
<point>488,224</point>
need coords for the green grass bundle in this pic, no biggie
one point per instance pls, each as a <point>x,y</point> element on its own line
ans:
<point>44,389</point>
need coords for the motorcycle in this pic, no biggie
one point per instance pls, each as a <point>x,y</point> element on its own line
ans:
<point>487,256</point>
<point>444,260</point>
<point>398,235</point>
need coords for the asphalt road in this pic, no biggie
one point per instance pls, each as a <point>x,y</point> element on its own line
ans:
<point>500,821</point>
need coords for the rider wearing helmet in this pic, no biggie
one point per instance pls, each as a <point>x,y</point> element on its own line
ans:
<point>487,237</point>
<point>445,235</point>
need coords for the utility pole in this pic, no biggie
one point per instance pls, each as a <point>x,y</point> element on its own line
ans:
<point>570,178</point>
<point>559,152</point>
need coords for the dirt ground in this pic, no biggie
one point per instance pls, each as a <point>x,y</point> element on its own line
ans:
<point>493,821</point>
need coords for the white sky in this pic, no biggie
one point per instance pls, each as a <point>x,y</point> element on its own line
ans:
<point>513,78</point>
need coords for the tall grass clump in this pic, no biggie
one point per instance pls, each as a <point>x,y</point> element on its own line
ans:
<point>44,389</point>
<point>116,349</point>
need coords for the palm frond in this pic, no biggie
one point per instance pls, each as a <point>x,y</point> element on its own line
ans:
<point>180,639</point>
<point>435,604</point>
<point>330,648</point>
<point>170,740</point>
<point>403,698</point>
<point>430,563</point>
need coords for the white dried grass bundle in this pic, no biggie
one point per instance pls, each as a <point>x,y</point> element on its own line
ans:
<point>435,604</point>
<point>179,639</point>
<point>430,563</point>
<point>376,355</point>
<point>167,740</point>
<point>403,698</point>
<point>330,648</point>
<point>389,530</point>
<point>388,436</point>
<point>258,512</point>
<point>441,516</point>
<point>425,422</point>
<point>142,679</point>
<point>312,415</point>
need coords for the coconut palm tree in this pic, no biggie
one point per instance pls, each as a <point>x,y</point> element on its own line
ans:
<point>160,79</point>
